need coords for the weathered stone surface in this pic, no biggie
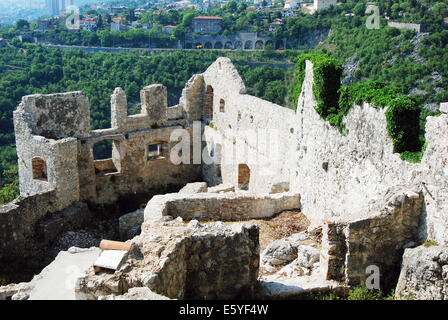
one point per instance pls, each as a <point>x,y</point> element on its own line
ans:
<point>424,274</point>
<point>195,187</point>
<point>194,224</point>
<point>221,188</point>
<point>57,169</point>
<point>7,292</point>
<point>307,256</point>
<point>278,253</point>
<point>339,175</point>
<point>154,101</point>
<point>192,98</point>
<point>74,217</point>
<point>229,206</point>
<point>444,107</point>
<point>342,179</point>
<point>57,280</point>
<point>216,261</point>
<point>274,287</point>
<point>130,224</point>
<point>280,187</point>
<point>434,182</point>
<point>348,248</point>
<point>296,238</point>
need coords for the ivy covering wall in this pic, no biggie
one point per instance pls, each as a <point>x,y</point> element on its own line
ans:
<point>405,119</point>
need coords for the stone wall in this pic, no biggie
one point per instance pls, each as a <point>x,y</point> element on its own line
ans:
<point>274,153</point>
<point>235,131</point>
<point>346,176</point>
<point>213,261</point>
<point>229,206</point>
<point>29,223</point>
<point>336,175</point>
<point>57,169</point>
<point>417,27</point>
<point>65,145</point>
<point>348,248</point>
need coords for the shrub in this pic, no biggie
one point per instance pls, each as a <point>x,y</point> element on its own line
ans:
<point>327,81</point>
<point>404,121</point>
<point>362,293</point>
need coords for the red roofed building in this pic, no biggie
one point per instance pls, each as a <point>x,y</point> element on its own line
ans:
<point>207,24</point>
<point>3,43</point>
<point>88,24</point>
<point>168,29</point>
<point>44,24</point>
<point>275,25</point>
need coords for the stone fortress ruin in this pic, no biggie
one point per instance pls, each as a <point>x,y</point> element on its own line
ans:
<point>369,206</point>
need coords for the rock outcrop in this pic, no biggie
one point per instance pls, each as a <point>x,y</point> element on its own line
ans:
<point>424,274</point>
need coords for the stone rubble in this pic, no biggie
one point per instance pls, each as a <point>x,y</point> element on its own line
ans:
<point>215,261</point>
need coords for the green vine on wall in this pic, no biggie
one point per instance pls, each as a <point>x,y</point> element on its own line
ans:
<point>327,81</point>
<point>405,120</point>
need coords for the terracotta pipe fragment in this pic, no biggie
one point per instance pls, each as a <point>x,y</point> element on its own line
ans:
<point>115,245</point>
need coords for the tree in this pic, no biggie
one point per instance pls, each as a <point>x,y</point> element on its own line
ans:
<point>187,18</point>
<point>440,10</point>
<point>242,6</point>
<point>359,9</point>
<point>100,22</point>
<point>231,6</point>
<point>22,24</point>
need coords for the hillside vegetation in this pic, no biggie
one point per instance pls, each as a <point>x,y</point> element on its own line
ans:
<point>415,65</point>
<point>35,69</point>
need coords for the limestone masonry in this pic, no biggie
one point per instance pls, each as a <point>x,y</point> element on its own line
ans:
<point>370,204</point>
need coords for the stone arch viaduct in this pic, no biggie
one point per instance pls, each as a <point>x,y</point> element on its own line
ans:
<point>244,41</point>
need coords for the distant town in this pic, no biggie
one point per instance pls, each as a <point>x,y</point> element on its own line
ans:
<point>184,24</point>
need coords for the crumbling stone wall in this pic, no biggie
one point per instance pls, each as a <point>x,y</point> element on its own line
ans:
<point>37,218</point>
<point>235,129</point>
<point>214,261</point>
<point>345,176</point>
<point>229,206</point>
<point>339,178</point>
<point>348,248</point>
<point>56,165</point>
<point>56,129</point>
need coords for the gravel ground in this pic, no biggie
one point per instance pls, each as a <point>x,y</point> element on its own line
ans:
<point>85,238</point>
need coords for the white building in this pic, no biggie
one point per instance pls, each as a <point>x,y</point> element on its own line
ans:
<point>88,24</point>
<point>323,4</point>
<point>56,7</point>
<point>292,4</point>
